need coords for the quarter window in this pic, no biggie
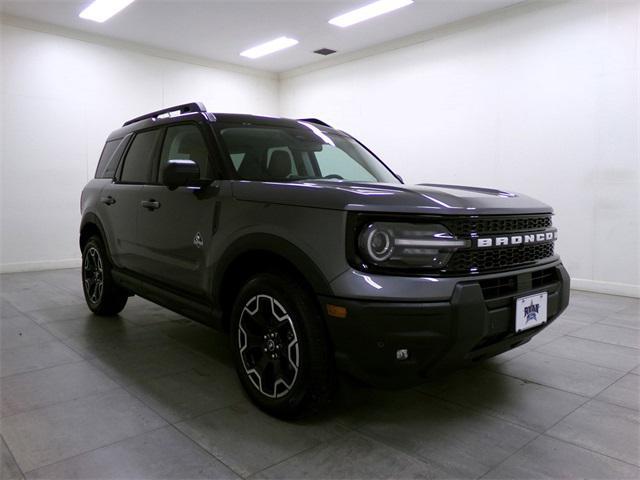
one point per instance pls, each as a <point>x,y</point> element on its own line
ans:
<point>107,164</point>
<point>138,163</point>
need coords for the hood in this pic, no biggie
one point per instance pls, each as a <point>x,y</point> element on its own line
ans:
<point>390,198</point>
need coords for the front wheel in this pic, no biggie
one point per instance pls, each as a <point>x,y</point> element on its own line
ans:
<point>102,295</point>
<point>280,347</point>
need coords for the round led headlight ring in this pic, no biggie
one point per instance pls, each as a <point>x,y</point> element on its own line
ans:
<point>377,243</point>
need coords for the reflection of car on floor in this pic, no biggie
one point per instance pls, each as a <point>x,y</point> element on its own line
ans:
<point>311,253</point>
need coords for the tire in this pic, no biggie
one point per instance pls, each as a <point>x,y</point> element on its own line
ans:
<point>280,347</point>
<point>102,295</point>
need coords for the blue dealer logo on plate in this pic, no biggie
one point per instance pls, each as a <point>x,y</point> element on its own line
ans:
<point>531,312</point>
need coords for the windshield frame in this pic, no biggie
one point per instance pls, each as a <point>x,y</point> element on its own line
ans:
<point>230,169</point>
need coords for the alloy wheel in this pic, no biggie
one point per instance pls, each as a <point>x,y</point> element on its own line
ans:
<point>268,345</point>
<point>93,275</point>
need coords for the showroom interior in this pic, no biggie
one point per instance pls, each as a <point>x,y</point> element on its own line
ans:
<point>536,97</point>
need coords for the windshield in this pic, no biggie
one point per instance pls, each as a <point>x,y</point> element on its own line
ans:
<point>275,153</point>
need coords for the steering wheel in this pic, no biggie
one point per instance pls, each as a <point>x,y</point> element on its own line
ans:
<point>334,175</point>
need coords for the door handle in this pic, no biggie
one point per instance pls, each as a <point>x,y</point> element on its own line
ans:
<point>109,200</point>
<point>150,204</point>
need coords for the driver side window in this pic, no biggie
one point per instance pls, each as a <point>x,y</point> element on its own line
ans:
<point>185,142</point>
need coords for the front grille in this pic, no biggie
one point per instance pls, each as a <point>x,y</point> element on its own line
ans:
<point>494,225</point>
<point>498,258</point>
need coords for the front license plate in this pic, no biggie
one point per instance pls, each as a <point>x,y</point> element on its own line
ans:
<point>531,311</point>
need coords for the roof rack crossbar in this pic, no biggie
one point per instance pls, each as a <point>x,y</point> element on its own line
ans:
<point>314,120</point>
<point>184,108</point>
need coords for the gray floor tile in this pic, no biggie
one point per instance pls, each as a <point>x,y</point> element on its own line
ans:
<point>225,434</point>
<point>510,354</point>
<point>455,440</point>
<point>547,457</point>
<point>27,391</point>
<point>35,357</point>
<point>188,394</point>
<point>69,279</point>
<point>630,319</point>
<point>579,313</point>
<point>603,428</point>
<point>596,353</point>
<point>564,374</point>
<point>208,342</point>
<point>126,340</point>
<point>534,406</point>
<point>625,392</point>
<point>36,295</point>
<point>601,302</point>
<point>65,312</point>
<point>162,453</point>
<point>127,367</point>
<point>91,326</point>
<point>47,435</point>
<point>626,337</point>
<point>353,456</point>
<point>21,331</point>
<point>7,310</point>
<point>9,469</point>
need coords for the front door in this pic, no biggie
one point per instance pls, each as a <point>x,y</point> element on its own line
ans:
<point>119,200</point>
<point>176,227</point>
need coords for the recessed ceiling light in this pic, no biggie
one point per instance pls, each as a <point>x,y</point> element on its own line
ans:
<point>269,47</point>
<point>102,10</point>
<point>368,11</point>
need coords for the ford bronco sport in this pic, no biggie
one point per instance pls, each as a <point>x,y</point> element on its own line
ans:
<point>311,253</point>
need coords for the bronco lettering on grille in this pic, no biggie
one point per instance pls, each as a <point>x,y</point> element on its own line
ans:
<point>510,240</point>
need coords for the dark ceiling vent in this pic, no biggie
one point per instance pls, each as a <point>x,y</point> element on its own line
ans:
<point>324,51</point>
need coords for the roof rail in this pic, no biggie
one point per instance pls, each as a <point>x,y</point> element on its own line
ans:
<point>184,108</point>
<point>314,120</point>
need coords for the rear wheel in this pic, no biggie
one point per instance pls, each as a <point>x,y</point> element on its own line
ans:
<point>101,293</point>
<point>280,348</point>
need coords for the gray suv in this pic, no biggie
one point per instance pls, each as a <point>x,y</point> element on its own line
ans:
<point>311,253</point>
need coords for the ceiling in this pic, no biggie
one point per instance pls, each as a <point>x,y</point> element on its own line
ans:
<point>219,30</point>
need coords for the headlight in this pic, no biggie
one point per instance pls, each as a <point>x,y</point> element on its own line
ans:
<point>398,245</point>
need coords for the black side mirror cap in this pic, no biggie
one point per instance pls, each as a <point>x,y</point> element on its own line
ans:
<point>181,173</point>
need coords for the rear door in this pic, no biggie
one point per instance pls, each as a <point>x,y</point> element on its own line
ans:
<point>120,199</point>
<point>176,227</point>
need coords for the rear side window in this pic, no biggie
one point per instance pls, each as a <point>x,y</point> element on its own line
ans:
<point>108,163</point>
<point>138,163</point>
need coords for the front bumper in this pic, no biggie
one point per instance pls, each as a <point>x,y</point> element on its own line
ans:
<point>477,322</point>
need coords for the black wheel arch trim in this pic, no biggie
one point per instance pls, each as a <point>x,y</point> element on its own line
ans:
<point>275,245</point>
<point>92,219</point>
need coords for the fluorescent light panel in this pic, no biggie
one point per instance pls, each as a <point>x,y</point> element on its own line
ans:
<point>368,11</point>
<point>269,47</point>
<point>102,10</point>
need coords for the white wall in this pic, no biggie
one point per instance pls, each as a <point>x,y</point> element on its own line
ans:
<point>540,99</point>
<point>60,98</point>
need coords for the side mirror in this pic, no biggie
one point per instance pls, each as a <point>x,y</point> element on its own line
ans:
<point>181,173</point>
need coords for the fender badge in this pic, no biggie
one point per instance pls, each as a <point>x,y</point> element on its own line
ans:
<point>197,240</point>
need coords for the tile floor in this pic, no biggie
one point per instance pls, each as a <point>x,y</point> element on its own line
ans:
<point>152,395</point>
